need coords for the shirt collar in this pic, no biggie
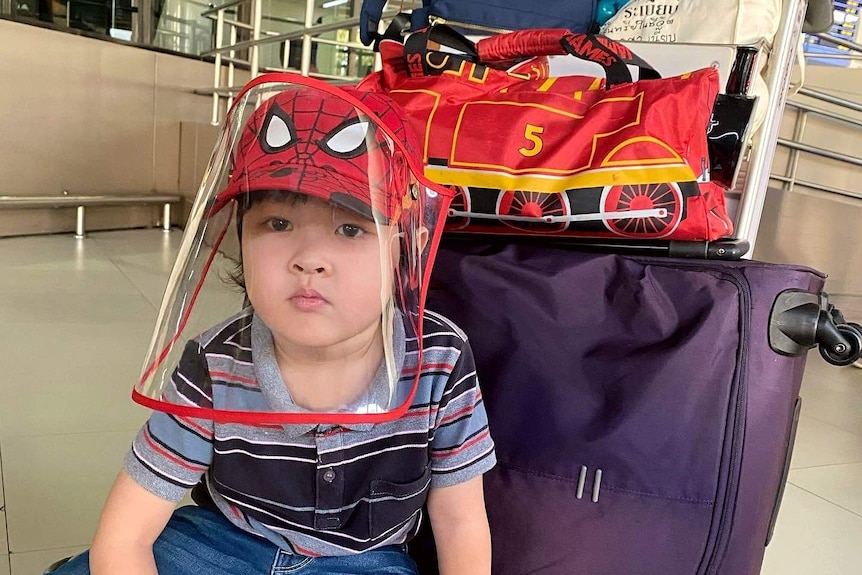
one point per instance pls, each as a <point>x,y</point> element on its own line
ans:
<point>275,391</point>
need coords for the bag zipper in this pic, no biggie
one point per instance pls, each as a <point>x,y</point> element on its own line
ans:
<point>435,20</point>
<point>725,521</point>
<point>719,532</point>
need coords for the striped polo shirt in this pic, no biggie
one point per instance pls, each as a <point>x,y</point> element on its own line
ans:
<point>316,489</point>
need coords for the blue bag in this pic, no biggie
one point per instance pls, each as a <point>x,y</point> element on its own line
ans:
<point>487,16</point>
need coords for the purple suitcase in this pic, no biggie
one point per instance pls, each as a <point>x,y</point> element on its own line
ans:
<point>643,424</point>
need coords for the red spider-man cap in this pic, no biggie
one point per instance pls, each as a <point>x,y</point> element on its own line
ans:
<point>313,142</point>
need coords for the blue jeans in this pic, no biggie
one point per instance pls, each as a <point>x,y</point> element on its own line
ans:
<point>198,541</point>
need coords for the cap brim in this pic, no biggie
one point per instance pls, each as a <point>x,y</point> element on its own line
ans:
<point>327,185</point>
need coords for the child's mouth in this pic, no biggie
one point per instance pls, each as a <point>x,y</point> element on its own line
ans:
<point>308,300</point>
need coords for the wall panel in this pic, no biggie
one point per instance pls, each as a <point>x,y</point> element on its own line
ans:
<point>90,117</point>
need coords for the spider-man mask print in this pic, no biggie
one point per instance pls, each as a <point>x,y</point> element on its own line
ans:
<point>315,143</point>
<point>338,228</point>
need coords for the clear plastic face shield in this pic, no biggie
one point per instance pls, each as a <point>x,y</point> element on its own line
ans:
<point>299,288</point>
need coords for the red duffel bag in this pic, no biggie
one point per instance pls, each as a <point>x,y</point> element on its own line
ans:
<point>531,153</point>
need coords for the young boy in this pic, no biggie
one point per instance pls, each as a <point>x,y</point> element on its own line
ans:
<point>326,333</point>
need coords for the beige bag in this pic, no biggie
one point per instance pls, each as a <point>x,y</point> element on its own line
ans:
<point>738,22</point>
<point>696,21</point>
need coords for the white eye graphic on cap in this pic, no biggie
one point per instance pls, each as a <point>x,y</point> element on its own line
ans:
<point>278,131</point>
<point>348,139</point>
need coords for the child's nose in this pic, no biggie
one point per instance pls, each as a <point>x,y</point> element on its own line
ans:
<point>309,261</point>
<point>311,254</point>
<point>307,267</point>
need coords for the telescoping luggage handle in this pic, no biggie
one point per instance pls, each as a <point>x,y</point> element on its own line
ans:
<point>501,49</point>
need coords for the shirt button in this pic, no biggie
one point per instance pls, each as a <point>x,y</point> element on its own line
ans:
<point>329,476</point>
<point>331,523</point>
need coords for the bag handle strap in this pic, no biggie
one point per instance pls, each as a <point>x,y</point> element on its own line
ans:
<point>420,48</point>
<point>612,56</point>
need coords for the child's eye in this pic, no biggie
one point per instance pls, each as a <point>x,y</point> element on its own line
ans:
<point>279,224</point>
<point>350,230</point>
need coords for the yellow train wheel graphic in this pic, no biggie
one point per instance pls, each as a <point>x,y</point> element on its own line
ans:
<point>656,209</point>
<point>525,210</point>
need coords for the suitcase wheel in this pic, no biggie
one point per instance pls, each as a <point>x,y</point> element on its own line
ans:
<point>844,352</point>
<point>800,320</point>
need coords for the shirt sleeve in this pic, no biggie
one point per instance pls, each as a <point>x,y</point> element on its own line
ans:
<point>171,453</point>
<point>461,448</point>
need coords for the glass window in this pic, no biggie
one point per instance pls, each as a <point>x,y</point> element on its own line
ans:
<point>189,27</point>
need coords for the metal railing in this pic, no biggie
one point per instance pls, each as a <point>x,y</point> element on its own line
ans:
<point>228,49</point>
<point>804,111</point>
<point>797,146</point>
<point>80,202</point>
<point>838,41</point>
<point>180,27</point>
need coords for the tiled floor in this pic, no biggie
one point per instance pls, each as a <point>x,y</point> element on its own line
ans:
<point>76,319</point>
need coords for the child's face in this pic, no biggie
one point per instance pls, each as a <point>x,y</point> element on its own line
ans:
<point>313,272</point>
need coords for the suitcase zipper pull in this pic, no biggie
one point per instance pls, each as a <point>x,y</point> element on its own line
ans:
<point>582,479</point>
<point>597,483</point>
